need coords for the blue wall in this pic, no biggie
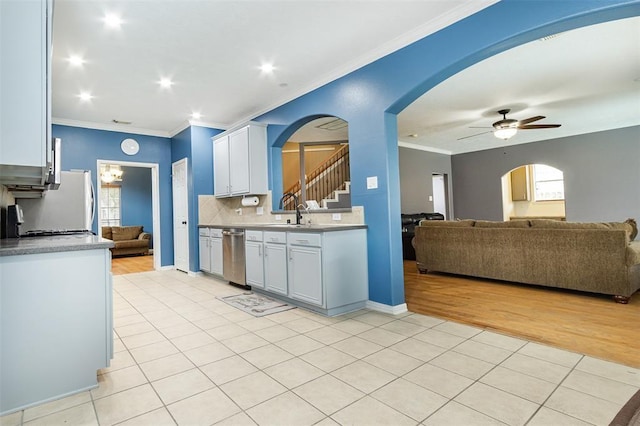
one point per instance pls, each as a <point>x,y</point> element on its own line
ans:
<point>194,143</point>
<point>81,148</point>
<point>370,97</point>
<point>136,198</point>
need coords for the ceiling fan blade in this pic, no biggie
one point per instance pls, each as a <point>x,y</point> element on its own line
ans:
<point>477,134</point>
<point>539,126</point>
<point>530,120</point>
<point>480,127</point>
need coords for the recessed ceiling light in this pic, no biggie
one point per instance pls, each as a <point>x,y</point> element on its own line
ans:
<point>85,96</point>
<point>76,60</point>
<point>196,115</point>
<point>267,68</point>
<point>165,83</point>
<point>283,84</point>
<point>112,20</point>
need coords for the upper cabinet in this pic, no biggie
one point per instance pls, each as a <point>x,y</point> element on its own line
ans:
<point>240,162</point>
<point>25,42</point>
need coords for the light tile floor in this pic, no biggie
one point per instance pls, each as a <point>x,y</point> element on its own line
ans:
<point>184,357</point>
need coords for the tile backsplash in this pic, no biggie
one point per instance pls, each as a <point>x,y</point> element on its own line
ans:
<point>229,211</point>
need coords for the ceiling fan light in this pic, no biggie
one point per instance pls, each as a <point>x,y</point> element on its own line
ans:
<point>505,133</point>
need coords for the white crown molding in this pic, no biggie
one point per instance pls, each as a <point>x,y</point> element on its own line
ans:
<point>110,127</point>
<point>442,21</point>
<point>387,309</point>
<point>187,123</point>
<point>424,148</point>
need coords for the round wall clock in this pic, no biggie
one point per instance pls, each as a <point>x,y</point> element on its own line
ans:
<point>130,146</point>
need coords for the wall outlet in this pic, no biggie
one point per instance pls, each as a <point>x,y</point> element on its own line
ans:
<point>278,217</point>
<point>430,197</point>
<point>239,211</point>
<point>259,211</point>
<point>336,216</point>
<point>372,182</point>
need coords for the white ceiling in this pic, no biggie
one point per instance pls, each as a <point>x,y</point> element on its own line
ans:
<point>212,50</point>
<point>587,79</point>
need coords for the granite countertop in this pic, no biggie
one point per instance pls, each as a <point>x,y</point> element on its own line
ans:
<point>314,227</point>
<point>52,244</point>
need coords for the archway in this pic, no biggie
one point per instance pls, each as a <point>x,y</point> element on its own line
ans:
<point>533,191</point>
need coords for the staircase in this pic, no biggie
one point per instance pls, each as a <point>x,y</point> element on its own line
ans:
<point>329,182</point>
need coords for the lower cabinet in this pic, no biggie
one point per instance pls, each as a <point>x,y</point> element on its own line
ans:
<point>205,253</point>
<point>322,271</point>
<point>254,249</point>
<point>216,253</point>
<point>210,240</point>
<point>275,262</point>
<point>305,274</point>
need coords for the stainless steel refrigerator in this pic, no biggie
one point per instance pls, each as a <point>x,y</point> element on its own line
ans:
<point>69,208</point>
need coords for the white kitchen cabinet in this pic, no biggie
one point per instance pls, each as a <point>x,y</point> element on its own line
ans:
<point>210,242</point>
<point>275,262</point>
<point>216,251</point>
<point>254,249</point>
<point>305,274</point>
<point>240,162</point>
<point>25,38</point>
<point>205,249</point>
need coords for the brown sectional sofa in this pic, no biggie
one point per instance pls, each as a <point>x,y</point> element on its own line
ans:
<point>127,239</point>
<point>591,257</point>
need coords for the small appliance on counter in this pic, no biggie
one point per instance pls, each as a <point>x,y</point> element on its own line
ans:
<point>12,219</point>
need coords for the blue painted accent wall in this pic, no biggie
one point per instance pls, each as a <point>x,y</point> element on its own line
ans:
<point>136,198</point>
<point>371,97</point>
<point>81,148</point>
<point>194,143</point>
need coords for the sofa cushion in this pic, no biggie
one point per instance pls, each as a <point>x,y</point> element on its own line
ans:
<point>505,224</point>
<point>556,224</point>
<point>122,233</point>
<point>131,244</point>
<point>466,223</point>
<point>106,233</point>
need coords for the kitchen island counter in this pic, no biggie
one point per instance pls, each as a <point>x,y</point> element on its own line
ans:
<point>52,244</point>
<point>56,325</point>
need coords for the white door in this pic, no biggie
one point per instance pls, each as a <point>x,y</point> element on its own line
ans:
<point>440,194</point>
<point>180,215</point>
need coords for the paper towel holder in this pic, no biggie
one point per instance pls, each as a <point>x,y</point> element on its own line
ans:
<point>250,201</point>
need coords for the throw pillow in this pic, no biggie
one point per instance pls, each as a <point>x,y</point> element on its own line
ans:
<point>634,226</point>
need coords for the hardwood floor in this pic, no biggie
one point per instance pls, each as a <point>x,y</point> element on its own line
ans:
<point>131,264</point>
<point>580,322</point>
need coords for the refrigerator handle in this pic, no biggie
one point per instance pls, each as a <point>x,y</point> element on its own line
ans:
<point>93,199</point>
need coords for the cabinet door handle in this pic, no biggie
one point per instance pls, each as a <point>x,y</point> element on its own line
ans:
<point>291,255</point>
<point>260,250</point>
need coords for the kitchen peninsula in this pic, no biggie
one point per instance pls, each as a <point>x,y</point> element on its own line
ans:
<point>55,317</point>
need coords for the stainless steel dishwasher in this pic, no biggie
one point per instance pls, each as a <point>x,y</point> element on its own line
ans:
<point>233,257</point>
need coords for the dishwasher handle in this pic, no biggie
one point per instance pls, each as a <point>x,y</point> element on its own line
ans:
<point>233,233</point>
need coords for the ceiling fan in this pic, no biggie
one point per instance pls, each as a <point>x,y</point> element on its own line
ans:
<point>508,127</point>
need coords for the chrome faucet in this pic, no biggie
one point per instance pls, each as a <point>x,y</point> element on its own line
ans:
<point>295,200</point>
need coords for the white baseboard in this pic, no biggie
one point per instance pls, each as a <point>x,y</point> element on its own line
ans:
<point>167,268</point>
<point>194,274</point>
<point>387,309</point>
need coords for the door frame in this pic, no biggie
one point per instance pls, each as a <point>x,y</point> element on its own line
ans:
<point>155,203</point>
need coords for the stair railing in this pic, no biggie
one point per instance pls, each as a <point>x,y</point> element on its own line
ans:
<point>328,177</point>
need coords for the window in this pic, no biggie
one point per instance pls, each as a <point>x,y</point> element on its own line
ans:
<point>548,183</point>
<point>110,205</point>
